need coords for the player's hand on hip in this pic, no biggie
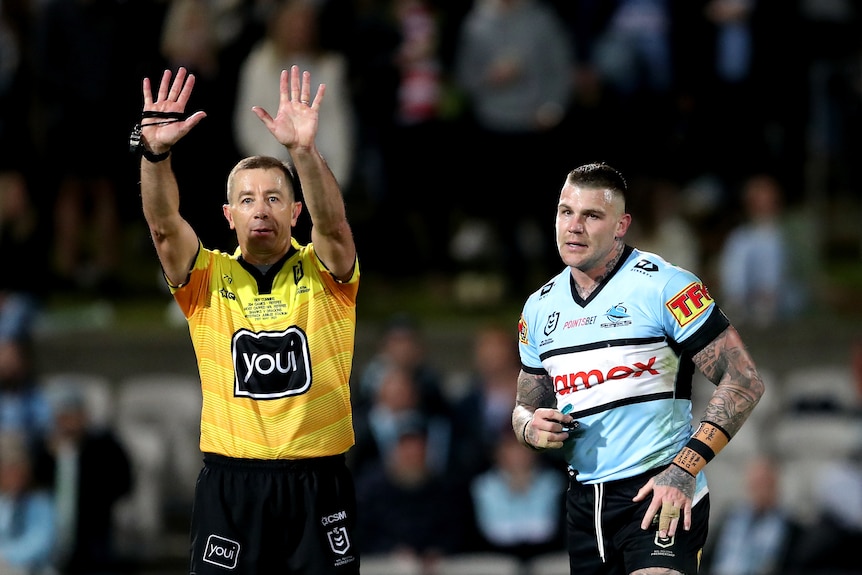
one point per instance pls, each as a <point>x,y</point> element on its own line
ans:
<point>672,496</point>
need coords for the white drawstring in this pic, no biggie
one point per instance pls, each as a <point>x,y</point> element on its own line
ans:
<point>599,495</point>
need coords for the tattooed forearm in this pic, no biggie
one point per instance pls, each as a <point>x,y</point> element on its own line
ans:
<point>535,391</point>
<point>727,364</point>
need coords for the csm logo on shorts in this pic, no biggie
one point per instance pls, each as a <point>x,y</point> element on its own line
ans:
<point>222,552</point>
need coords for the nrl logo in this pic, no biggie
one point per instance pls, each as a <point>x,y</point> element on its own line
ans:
<point>338,540</point>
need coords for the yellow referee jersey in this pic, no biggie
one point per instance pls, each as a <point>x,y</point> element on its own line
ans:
<point>274,353</point>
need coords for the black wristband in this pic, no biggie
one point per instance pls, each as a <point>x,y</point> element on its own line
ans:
<point>701,449</point>
<point>154,158</point>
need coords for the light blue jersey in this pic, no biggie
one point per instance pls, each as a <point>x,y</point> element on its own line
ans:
<point>621,362</point>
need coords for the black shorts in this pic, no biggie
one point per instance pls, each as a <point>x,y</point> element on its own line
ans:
<point>626,546</point>
<point>255,516</point>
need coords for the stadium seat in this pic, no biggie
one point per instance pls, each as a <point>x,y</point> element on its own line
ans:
<point>478,564</point>
<point>824,434</point>
<point>97,389</point>
<point>390,564</point>
<point>549,564</point>
<point>139,517</point>
<point>170,405</point>
<point>819,387</point>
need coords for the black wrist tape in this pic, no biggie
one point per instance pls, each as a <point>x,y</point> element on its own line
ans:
<point>701,448</point>
<point>153,158</point>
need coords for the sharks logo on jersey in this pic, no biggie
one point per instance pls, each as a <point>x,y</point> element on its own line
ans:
<point>617,316</point>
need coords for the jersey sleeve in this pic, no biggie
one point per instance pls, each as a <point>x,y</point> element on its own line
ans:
<point>690,315</point>
<point>346,290</point>
<point>527,345</point>
<point>196,286</point>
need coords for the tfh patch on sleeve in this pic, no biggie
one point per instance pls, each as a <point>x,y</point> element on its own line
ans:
<point>688,304</point>
<point>522,331</point>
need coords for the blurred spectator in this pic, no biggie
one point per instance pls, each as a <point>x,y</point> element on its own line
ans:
<point>627,58</point>
<point>82,58</point>
<point>371,48</point>
<point>192,37</point>
<point>292,38</point>
<point>756,536</point>
<point>21,233</point>
<point>16,134</point>
<point>856,369</point>
<point>422,123</point>
<point>484,412</point>
<point>402,344</point>
<point>519,503</point>
<point>660,225</point>
<point>21,239</point>
<point>633,52</point>
<point>23,406</point>
<point>90,471</point>
<point>833,81</point>
<point>397,403</point>
<point>829,544</point>
<point>728,91</point>
<point>27,515</point>
<point>742,67</point>
<point>514,64</point>
<point>408,509</point>
<point>757,280</point>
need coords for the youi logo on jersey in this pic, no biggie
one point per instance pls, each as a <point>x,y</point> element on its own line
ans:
<point>270,365</point>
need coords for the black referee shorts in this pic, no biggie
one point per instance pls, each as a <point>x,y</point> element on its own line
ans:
<point>604,535</point>
<point>252,517</point>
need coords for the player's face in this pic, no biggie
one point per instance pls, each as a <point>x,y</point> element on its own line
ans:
<point>262,211</point>
<point>588,222</point>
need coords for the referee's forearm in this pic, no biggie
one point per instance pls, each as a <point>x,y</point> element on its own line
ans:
<point>160,194</point>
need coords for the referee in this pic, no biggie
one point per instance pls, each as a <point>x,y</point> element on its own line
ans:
<point>273,327</point>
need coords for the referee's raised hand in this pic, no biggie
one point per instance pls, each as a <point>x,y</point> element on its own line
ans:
<point>162,121</point>
<point>295,122</point>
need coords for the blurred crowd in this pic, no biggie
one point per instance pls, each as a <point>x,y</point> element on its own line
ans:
<point>478,111</point>
<point>438,472</point>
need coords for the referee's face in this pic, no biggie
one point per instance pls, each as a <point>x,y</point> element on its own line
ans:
<point>262,211</point>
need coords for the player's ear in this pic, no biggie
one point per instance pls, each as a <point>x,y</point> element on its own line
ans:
<point>227,215</point>
<point>623,225</point>
<point>297,209</point>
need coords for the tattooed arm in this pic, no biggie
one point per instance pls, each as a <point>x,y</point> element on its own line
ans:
<point>727,364</point>
<point>535,420</point>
